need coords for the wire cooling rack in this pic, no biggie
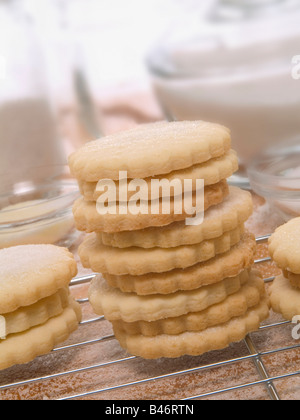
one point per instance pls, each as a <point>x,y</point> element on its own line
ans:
<point>263,366</point>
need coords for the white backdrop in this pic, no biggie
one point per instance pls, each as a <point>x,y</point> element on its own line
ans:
<point>108,38</point>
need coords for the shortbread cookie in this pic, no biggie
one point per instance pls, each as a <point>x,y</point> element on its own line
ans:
<point>293,278</point>
<point>236,208</point>
<point>115,305</point>
<point>234,305</point>
<point>195,343</point>
<point>284,246</point>
<point>229,264</point>
<point>25,346</point>
<point>88,219</point>
<point>149,150</point>
<point>284,298</point>
<point>212,172</point>
<point>32,272</point>
<point>29,316</point>
<point>136,261</point>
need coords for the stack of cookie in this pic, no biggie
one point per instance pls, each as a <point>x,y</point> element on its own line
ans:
<point>284,248</point>
<point>168,287</point>
<point>36,309</point>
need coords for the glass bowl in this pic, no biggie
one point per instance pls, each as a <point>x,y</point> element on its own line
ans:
<point>36,207</point>
<point>232,64</point>
<point>275,175</point>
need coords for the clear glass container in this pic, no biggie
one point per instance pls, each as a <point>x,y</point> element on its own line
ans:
<point>275,175</point>
<point>36,190</point>
<point>29,134</point>
<point>36,208</point>
<point>234,66</point>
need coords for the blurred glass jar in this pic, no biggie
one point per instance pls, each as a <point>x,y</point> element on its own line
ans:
<point>28,124</point>
<point>234,67</point>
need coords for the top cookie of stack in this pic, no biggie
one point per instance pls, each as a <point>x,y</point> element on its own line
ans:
<point>150,150</point>
<point>178,150</point>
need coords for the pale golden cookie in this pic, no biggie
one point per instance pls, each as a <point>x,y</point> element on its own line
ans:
<point>293,278</point>
<point>236,208</point>
<point>284,298</point>
<point>212,172</point>
<point>195,343</point>
<point>32,272</point>
<point>234,305</point>
<point>29,316</point>
<point>284,246</point>
<point>137,261</point>
<point>25,346</point>
<point>229,264</point>
<point>149,150</point>
<point>88,219</point>
<point>129,307</point>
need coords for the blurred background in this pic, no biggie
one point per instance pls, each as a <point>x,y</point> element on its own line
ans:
<point>75,70</point>
<point>103,65</point>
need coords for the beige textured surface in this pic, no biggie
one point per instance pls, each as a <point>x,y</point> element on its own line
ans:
<point>169,147</point>
<point>229,264</point>
<point>236,208</point>
<point>234,305</point>
<point>88,219</point>
<point>285,299</point>
<point>195,343</point>
<point>212,172</point>
<point>31,272</point>
<point>138,261</point>
<point>23,347</point>
<point>293,278</point>
<point>29,316</point>
<point>130,307</point>
<point>284,246</point>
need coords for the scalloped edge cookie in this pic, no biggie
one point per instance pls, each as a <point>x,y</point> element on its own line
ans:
<point>236,208</point>
<point>36,314</point>
<point>212,172</point>
<point>115,305</point>
<point>149,150</point>
<point>229,264</point>
<point>26,346</point>
<point>293,278</point>
<point>88,219</point>
<point>284,246</point>
<point>195,343</point>
<point>234,305</point>
<point>284,298</point>
<point>32,272</point>
<point>137,261</point>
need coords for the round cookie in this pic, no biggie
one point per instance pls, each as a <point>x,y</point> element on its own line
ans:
<point>236,208</point>
<point>88,219</point>
<point>149,150</point>
<point>230,264</point>
<point>27,317</point>
<point>136,261</point>
<point>212,172</point>
<point>115,305</point>
<point>194,343</point>
<point>32,272</point>
<point>234,305</point>
<point>25,346</point>
<point>293,278</point>
<point>284,246</point>
<point>284,298</point>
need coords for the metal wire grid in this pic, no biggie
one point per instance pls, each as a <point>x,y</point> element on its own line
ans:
<point>254,355</point>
